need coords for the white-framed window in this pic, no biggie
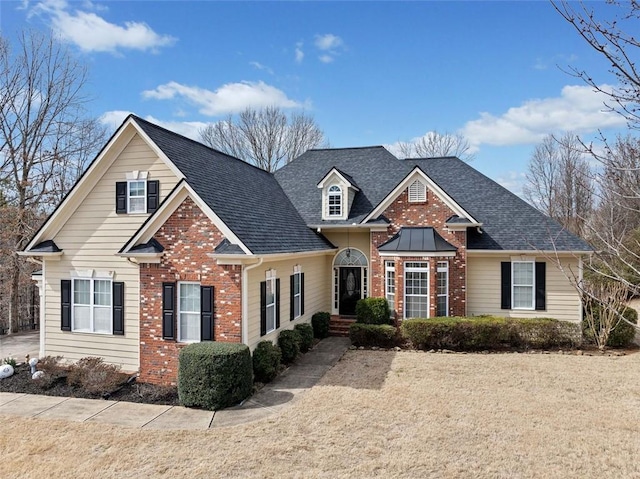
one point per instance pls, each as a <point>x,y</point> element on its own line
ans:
<point>92,310</point>
<point>417,192</point>
<point>136,196</point>
<point>390,283</point>
<point>416,289</point>
<point>442,286</point>
<point>189,323</point>
<point>522,286</point>
<point>334,201</point>
<point>271,300</point>
<point>297,292</point>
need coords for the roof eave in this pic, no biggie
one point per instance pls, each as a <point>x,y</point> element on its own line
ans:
<point>447,254</point>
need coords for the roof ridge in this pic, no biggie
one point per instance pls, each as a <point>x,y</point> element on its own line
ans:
<point>191,140</point>
<point>348,148</point>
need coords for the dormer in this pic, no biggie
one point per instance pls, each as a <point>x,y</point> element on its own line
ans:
<point>338,193</point>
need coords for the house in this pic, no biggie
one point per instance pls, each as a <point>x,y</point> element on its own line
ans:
<point>164,241</point>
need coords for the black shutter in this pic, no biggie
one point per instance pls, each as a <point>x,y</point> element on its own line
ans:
<point>153,195</point>
<point>206,313</point>
<point>541,281</point>
<point>277,303</point>
<point>168,310</point>
<point>301,293</point>
<point>263,308</point>
<point>118,308</point>
<point>506,285</point>
<point>65,300</point>
<point>291,303</point>
<point>121,197</point>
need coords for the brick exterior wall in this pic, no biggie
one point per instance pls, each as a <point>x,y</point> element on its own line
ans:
<point>434,212</point>
<point>188,237</point>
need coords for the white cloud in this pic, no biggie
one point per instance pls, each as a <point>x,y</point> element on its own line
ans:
<point>299,53</point>
<point>578,108</point>
<point>325,58</point>
<point>328,42</point>
<point>260,66</point>
<point>191,129</point>
<point>92,33</point>
<point>229,98</point>
<point>514,181</point>
<point>113,119</point>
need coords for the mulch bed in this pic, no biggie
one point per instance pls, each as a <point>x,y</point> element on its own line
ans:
<point>130,391</point>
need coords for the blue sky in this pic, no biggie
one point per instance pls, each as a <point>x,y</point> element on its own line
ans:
<point>369,72</point>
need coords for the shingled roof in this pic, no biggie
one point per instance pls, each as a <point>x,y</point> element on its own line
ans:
<point>247,199</point>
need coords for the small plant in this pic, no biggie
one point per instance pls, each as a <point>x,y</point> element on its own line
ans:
<point>380,335</point>
<point>289,341</point>
<point>10,361</point>
<point>373,311</point>
<point>54,370</point>
<point>320,324</point>
<point>95,376</point>
<point>266,361</point>
<point>306,336</point>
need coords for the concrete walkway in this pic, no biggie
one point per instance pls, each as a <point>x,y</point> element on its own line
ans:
<point>18,345</point>
<point>274,397</point>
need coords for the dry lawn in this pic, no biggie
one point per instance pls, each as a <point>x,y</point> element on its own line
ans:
<point>382,414</point>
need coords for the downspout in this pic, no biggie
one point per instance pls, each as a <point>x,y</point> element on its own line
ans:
<point>245,299</point>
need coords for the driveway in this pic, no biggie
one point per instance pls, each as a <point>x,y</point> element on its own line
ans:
<point>19,345</point>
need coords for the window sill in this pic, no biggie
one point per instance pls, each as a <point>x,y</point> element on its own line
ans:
<point>85,331</point>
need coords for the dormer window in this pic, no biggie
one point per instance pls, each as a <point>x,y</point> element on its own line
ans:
<point>417,192</point>
<point>334,201</point>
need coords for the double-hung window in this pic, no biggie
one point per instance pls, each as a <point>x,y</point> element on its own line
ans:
<point>523,291</point>
<point>92,305</point>
<point>296,293</point>
<point>189,312</point>
<point>390,283</point>
<point>137,196</point>
<point>334,201</point>
<point>416,290</point>
<point>442,285</point>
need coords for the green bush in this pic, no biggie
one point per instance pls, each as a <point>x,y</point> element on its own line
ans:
<point>306,336</point>
<point>289,341</point>
<point>381,335</point>
<point>320,324</point>
<point>489,332</point>
<point>213,375</point>
<point>266,360</point>
<point>373,311</point>
<point>621,336</point>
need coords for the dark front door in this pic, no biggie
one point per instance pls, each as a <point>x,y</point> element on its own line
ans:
<point>350,290</point>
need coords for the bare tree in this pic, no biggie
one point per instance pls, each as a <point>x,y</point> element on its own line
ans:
<point>268,138</point>
<point>560,182</point>
<point>434,144</point>
<point>45,138</point>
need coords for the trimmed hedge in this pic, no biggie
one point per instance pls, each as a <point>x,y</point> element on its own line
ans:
<point>320,324</point>
<point>489,332</point>
<point>289,341</point>
<point>622,335</point>
<point>266,360</point>
<point>373,311</point>
<point>213,375</point>
<point>381,335</point>
<point>306,336</point>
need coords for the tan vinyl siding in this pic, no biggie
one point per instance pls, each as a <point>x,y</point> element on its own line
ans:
<point>90,239</point>
<point>317,289</point>
<point>360,240</point>
<point>483,290</point>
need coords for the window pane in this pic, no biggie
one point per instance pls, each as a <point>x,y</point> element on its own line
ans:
<point>522,297</point>
<point>82,291</point>
<point>271,298</point>
<point>190,298</point>
<point>296,283</point>
<point>101,320</point>
<point>102,292</point>
<point>296,306</point>
<point>136,188</point>
<point>136,205</point>
<point>417,307</point>
<point>189,327</point>
<point>523,273</point>
<point>271,317</point>
<point>82,317</point>
<point>442,306</point>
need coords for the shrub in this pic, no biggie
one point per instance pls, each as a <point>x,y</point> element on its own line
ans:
<point>54,370</point>
<point>490,332</point>
<point>214,375</point>
<point>10,361</point>
<point>289,341</point>
<point>320,324</point>
<point>266,360</point>
<point>306,336</point>
<point>621,336</point>
<point>94,376</point>
<point>381,335</point>
<point>373,311</point>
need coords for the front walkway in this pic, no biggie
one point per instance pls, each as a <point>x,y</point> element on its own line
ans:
<point>273,398</point>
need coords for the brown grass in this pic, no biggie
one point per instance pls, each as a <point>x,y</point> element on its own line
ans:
<point>382,414</point>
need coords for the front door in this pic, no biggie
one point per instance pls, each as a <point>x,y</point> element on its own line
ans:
<point>350,290</point>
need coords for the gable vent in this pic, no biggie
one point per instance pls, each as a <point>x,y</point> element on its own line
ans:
<point>417,192</point>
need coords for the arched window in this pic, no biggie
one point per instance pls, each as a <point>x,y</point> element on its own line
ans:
<point>334,201</point>
<point>350,257</point>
